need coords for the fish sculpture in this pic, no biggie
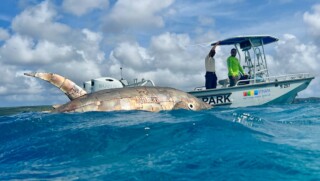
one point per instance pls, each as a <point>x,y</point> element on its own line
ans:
<point>152,99</point>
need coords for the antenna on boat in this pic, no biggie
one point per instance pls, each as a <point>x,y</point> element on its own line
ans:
<point>121,73</point>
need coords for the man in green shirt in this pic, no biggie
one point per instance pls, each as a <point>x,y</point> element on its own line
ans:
<point>234,68</point>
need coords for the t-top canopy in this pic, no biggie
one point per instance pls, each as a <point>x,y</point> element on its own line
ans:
<point>251,40</point>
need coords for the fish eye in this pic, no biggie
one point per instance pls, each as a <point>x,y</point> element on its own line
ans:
<point>191,106</point>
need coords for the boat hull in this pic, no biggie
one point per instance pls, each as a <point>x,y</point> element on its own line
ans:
<point>277,92</point>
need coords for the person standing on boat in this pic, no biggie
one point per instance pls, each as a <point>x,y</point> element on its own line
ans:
<point>234,68</point>
<point>211,77</point>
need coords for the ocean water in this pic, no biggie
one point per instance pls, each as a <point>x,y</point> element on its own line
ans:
<point>277,142</point>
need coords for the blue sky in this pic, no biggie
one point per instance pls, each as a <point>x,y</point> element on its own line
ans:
<point>152,39</point>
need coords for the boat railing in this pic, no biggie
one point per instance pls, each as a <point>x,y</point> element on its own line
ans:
<point>275,78</point>
<point>143,82</point>
<point>199,88</point>
<point>290,77</point>
<point>225,82</point>
<point>263,71</point>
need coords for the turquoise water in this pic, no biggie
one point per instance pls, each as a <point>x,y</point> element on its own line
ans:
<point>278,142</point>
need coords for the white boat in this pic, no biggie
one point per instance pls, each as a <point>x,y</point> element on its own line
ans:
<point>260,88</point>
<point>111,83</point>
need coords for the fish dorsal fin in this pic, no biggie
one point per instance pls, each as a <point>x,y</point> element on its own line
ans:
<point>71,89</point>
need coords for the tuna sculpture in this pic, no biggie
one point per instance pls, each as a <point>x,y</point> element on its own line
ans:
<point>129,98</point>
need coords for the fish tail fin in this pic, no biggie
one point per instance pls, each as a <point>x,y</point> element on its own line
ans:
<point>71,89</point>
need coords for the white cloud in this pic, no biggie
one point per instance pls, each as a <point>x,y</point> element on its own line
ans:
<point>40,43</point>
<point>13,84</point>
<point>22,90</point>
<point>77,71</point>
<point>133,56</point>
<point>296,56</point>
<point>3,90</point>
<point>92,36</point>
<point>81,7</point>
<point>313,20</point>
<point>89,46</point>
<point>167,62</point>
<point>39,22</point>
<point>6,73</point>
<point>4,34</point>
<point>170,42</point>
<point>136,14</point>
<point>170,53</point>
<point>24,50</point>
<point>293,56</point>
<point>39,39</point>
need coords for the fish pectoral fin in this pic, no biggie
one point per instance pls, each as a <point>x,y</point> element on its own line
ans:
<point>71,89</point>
<point>180,105</point>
